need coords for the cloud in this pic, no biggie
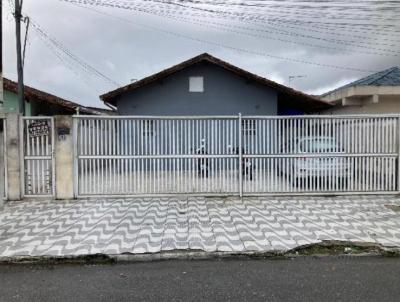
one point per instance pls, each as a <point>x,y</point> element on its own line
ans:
<point>110,65</point>
<point>324,89</point>
<point>141,44</point>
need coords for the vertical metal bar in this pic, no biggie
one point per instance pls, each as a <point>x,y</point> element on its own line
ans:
<point>46,165</point>
<point>53,166</point>
<point>27,151</point>
<point>240,156</point>
<point>37,164</point>
<point>398,154</point>
<point>22,156</point>
<point>76,137</point>
<point>5,195</point>
<point>43,151</point>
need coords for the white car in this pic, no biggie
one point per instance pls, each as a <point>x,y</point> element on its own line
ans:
<point>312,165</point>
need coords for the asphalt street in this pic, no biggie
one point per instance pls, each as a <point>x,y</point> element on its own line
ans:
<point>300,279</point>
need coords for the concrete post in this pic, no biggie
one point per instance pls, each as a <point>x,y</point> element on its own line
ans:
<point>13,157</point>
<point>64,158</point>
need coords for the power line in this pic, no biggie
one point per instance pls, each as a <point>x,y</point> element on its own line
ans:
<point>228,28</point>
<point>286,25</point>
<point>72,56</point>
<point>75,64</point>
<point>234,15</point>
<point>366,26</point>
<point>309,27</point>
<point>243,50</point>
<point>214,25</point>
<point>335,34</point>
<point>311,11</point>
<point>260,18</point>
<point>70,65</point>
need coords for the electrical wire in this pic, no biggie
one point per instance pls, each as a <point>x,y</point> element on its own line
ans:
<point>71,61</point>
<point>231,28</point>
<point>177,8</point>
<point>218,44</point>
<point>204,23</point>
<point>85,66</point>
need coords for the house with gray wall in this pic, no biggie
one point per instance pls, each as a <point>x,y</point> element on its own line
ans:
<point>202,86</point>
<point>206,85</point>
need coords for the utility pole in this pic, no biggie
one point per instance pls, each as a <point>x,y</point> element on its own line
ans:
<point>20,68</point>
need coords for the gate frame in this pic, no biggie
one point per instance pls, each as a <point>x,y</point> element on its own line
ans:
<point>240,156</point>
<point>22,156</point>
<point>4,121</point>
<point>398,157</point>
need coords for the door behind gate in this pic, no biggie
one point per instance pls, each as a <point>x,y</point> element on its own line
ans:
<point>37,135</point>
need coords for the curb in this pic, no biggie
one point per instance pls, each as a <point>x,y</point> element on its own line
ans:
<point>320,250</point>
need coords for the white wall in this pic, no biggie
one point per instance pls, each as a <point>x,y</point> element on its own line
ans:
<point>387,104</point>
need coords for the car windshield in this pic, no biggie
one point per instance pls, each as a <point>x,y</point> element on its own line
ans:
<point>319,145</point>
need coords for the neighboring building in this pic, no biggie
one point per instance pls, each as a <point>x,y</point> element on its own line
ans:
<point>41,103</point>
<point>205,85</point>
<point>376,93</point>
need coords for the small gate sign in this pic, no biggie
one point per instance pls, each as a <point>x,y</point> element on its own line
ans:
<point>38,128</point>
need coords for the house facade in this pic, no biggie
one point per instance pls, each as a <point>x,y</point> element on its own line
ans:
<point>205,85</point>
<point>378,93</point>
<point>201,87</point>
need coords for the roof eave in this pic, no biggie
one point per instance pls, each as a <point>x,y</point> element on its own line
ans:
<point>110,97</point>
<point>31,92</point>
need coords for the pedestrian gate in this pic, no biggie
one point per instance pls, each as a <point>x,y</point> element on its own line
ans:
<point>37,150</point>
<point>244,155</point>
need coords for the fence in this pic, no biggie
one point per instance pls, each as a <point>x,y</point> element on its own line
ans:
<point>249,155</point>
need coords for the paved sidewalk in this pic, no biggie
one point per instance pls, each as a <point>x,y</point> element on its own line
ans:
<point>145,225</point>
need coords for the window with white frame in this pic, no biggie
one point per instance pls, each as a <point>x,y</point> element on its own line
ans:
<point>249,127</point>
<point>196,84</point>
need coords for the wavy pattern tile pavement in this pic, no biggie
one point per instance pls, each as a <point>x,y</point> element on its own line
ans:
<point>151,225</point>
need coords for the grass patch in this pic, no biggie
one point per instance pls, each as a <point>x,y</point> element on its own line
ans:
<point>393,207</point>
<point>334,248</point>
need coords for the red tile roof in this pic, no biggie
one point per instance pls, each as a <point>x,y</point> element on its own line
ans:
<point>308,102</point>
<point>41,96</point>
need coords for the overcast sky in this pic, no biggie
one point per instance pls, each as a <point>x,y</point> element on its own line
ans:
<point>131,43</point>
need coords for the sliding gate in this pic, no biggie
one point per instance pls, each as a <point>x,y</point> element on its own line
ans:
<point>243,155</point>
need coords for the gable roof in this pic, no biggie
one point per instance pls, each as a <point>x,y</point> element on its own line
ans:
<point>41,96</point>
<point>387,77</point>
<point>308,100</point>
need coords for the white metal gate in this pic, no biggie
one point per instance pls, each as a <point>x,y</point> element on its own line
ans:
<point>37,155</point>
<point>249,155</point>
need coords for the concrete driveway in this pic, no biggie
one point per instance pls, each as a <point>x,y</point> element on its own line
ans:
<point>152,225</point>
